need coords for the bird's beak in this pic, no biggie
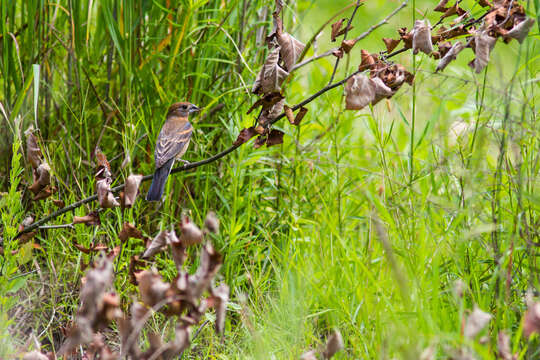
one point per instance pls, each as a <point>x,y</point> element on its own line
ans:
<point>194,109</point>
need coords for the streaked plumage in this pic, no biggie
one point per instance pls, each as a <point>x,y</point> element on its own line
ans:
<point>172,143</point>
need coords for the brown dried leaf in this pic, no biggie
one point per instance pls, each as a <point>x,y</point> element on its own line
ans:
<point>360,92</point>
<point>131,189</point>
<point>300,115</point>
<point>157,245</point>
<point>129,231</point>
<point>521,30</point>
<point>381,90</point>
<point>89,220</point>
<point>221,297</point>
<point>191,234</point>
<point>291,49</point>
<point>450,56</point>
<point>151,287</point>
<point>336,29</point>
<point>422,37</point>
<point>245,135</point>
<point>271,76</point>
<point>178,250</point>
<point>407,37</point>
<point>210,264</point>
<point>338,53</point>
<point>33,152</point>
<point>347,45</point>
<point>42,178</point>
<point>105,197</point>
<point>333,345</point>
<point>484,3</point>
<point>260,141</point>
<point>441,6</point>
<point>267,101</point>
<point>211,222</point>
<point>391,44</point>
<point>104,168</point>
<point>275,137</point>
<point>268,115</point>
<point>475,322</point>
<point>45,193</point>
<point>289,113</point>
<point>484,45</point>
<point>531,320</point>
<point>58,203</point>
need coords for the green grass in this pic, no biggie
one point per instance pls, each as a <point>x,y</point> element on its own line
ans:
<point>302,252</point>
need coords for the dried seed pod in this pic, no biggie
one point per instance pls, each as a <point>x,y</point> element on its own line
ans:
<point>191,234</point>
<point>422,37</point>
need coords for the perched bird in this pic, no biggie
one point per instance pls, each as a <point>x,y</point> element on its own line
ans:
<point>171,144</point>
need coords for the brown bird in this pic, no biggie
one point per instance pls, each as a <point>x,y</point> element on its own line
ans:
<point>171,144</point>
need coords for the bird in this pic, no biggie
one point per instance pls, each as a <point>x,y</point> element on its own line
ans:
<point>171,145</point>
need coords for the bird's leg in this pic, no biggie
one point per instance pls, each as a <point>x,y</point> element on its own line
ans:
<point>184,161</point>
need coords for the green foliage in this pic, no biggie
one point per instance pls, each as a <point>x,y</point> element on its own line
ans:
<point>301,223</point>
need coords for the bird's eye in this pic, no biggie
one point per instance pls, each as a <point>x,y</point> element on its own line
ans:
<point>184,106</point>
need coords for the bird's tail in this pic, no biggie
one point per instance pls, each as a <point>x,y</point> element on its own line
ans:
<point>158,182</point>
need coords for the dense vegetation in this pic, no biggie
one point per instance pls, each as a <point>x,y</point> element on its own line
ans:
<point>390,224</point>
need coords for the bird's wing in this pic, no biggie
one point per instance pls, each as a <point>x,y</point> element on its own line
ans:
<point>171,141</point>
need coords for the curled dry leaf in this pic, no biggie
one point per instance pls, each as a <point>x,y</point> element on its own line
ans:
<point>347,45</point>
<point>245,135</point>
<point>210,264</point>
<point>503,347</point>
<point>220,297</point>
<point>360,92</point>
<point>381,90</point>
<point>105,196</point>
<point>42,178</point>
<point>475,322</point>
<point>89,220</point>
<point>275,137</point>
<point>407,37</point>
<point>260,141</point>
<point>178,250</point>
<point>450,56</point>
<point>45,193</point>
<point>291,49</point>
<point>391,44</point>
<point>271,76</point>
<point>104,168</point>
<point>531,320</point>
<point>484,45</point>
<point>441,6</point>
<point>333,345</point>
<point>300,115</point>
<point>211,222</point>
<point>33,152</point>
<point>129,231</point>
<point>132,187</point>
<point>191,234</point>
<point>422,37</point>
<point>152,288</point>
<point>289,114</point>
<point>338,29</point>
<point>58,203</point>
<point>268,115</point>
<point>521,30</point>
<point>157,245</point>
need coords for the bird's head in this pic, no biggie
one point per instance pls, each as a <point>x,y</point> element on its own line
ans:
<point>182,109</point>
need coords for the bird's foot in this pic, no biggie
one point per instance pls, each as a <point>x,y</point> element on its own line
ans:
<point>185,161</point>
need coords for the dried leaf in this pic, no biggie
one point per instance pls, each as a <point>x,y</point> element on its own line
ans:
<point>289,113</point>
<point>484,3</point>
<point>300,115</point>
<point>211,222</point>
<point>407,37</point>
<point>42,178</point>
<point>157,245</point>
<point>484,45</point>
<point>291,49</point>
<point>338,53</point>
<point>503,347</point>
<point>210,264</point>
<point>268,115</point>
<point>129,231</point>
<point>191,234</point>
<point>89,220</point>
<point>131,189</point>
<point>275,137</point>
<point>58,203</point>
<point>360,92</point>
<point>521,30</point>
<point>422,37</point>
<point>245,135</point>
<point>33,152</point>
<point>26,223</point>
<point>45,193</point>
<point>178,250</point>
<point>104,168</point>
<point>260,141</point>
<point>337,29</point>
<point>221,297</point>
<point>271,76</point>
<point>347,45</point>
<point>531,320</point>
<point>391,44</point>
<point>151,287</point>
<point>441,6</point>
<point>475,322</point>
<point>381,90</point>
<point>450,56</point>
<point>267,101</point>
<point>105,197</point>
<point>333,345</point>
